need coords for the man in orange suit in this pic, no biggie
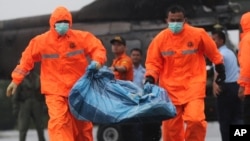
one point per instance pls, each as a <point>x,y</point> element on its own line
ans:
<point>175,59</point>
<point>63,53</point>
<point>244,57</point>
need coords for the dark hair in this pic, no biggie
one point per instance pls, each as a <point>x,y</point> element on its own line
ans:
<point>220,34</point>
<point>136,49</point>
<point>175,9</point>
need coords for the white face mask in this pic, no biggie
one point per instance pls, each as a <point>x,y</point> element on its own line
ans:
<point>61,28</point>
<point>175,27</point>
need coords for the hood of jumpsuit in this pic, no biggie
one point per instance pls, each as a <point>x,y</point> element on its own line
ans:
<point>245,24</point>
<point>59,14</point>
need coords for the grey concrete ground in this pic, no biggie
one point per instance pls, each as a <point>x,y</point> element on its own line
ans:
<point>213,134</point>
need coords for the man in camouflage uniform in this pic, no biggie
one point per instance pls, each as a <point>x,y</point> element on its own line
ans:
<point>28,104</point>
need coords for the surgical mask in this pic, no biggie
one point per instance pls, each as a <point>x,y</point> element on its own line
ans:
<point>175,27</point>
<point>61,28</point>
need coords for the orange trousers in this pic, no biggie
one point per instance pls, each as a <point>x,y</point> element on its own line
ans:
<point>188,125</point>
<point>62,125</point>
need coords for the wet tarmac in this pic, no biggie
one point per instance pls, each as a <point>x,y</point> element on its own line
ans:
<point>213,134</point>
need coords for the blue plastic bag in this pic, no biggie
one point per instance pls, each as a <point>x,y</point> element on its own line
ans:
<point>100,98</point>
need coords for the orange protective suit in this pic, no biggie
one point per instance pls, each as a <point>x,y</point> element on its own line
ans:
<point>244,53</point>
<point>63,61</point>
<point>177,61</point>
<point>125,61</point>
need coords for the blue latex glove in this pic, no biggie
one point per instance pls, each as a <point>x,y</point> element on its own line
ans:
<point>147,88</point>
<point>94,65</point>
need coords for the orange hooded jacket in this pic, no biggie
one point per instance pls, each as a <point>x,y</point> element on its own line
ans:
<point>244,53</point>
<point>63,58</point>
<point>178,61</point>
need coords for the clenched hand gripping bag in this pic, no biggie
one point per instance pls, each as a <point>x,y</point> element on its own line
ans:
<point>99,97</point>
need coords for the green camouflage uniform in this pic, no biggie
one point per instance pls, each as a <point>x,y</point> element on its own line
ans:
<point>28,104</point>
